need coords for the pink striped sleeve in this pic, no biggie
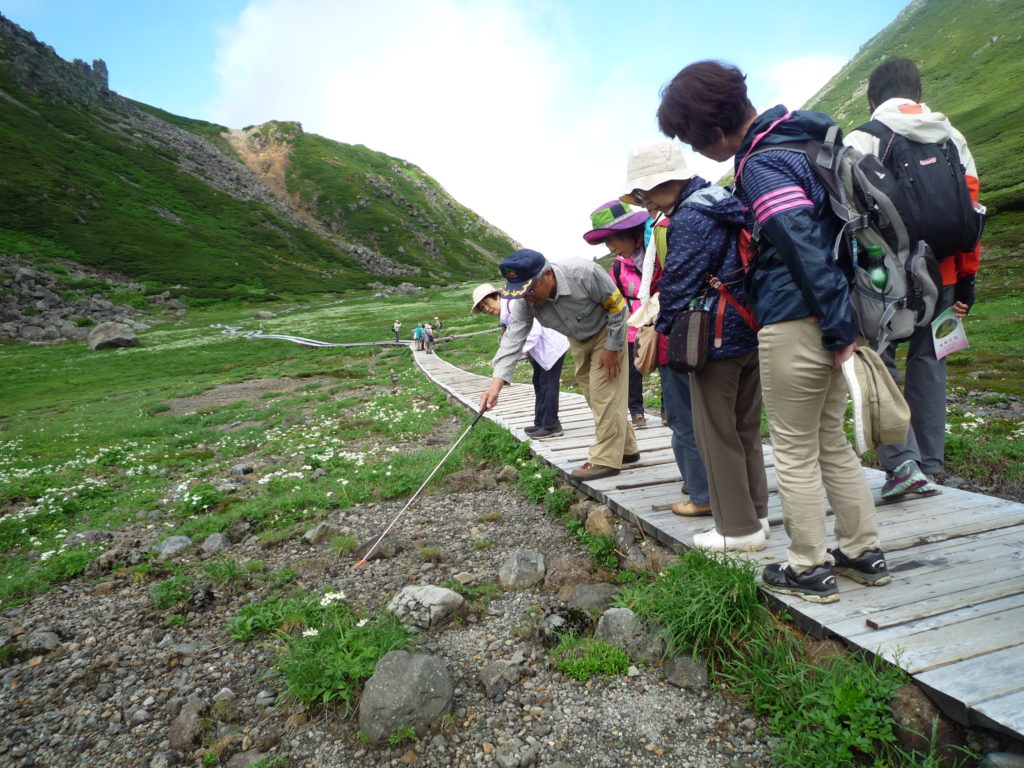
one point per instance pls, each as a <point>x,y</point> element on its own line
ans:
<point>778,200</point>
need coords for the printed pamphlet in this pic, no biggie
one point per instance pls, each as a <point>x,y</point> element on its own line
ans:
<point>948,334</point>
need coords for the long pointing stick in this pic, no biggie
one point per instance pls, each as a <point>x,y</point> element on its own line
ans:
<point>408,504</point>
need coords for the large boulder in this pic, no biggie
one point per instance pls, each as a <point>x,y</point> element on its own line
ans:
<point>406,691</point>
<point>112,335</point>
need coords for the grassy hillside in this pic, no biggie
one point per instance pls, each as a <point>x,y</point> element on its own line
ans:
<point>971,57</point>
<point>165,199</point>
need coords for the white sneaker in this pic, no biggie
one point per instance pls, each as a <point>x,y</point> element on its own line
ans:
<point>716,542</point>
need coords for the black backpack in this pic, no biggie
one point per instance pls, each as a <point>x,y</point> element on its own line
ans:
<point>935,202</point>
<point>865,197</point>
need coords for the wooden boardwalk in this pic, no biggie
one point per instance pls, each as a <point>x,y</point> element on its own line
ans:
<point>953,616</point>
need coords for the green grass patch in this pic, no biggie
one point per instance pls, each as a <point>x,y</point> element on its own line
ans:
<point>581,658</point>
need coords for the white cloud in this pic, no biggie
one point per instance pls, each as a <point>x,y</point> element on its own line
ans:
<point>794,81</point>
<point>470,92</point>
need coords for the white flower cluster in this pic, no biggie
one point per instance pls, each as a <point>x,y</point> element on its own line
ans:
<point>331,597</point>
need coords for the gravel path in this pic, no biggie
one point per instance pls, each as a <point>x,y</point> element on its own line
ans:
<point>100,676</point>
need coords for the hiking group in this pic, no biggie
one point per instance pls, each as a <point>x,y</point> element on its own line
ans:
<point>760,295</point>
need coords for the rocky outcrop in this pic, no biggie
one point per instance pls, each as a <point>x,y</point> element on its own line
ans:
<point>47,305</point>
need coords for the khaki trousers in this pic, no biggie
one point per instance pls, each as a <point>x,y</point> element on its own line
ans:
<point>805,401</point>
<point>614,435</point>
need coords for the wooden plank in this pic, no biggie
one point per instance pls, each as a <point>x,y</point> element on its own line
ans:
<point>984,678</point>
<point>935,641</point>
<point>1006,712</point>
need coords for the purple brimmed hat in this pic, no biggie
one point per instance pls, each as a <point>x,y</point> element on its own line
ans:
<point>519,270</point>
<point>613,217</point>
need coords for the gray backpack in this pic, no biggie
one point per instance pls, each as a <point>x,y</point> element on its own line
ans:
<point>864,195</point>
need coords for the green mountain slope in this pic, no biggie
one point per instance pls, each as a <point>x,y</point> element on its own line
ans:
<point>971,57</point>
<point>109,182</point>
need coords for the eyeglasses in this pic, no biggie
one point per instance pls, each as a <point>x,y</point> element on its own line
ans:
<point>639,196</point>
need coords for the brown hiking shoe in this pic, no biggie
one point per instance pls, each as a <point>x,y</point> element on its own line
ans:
<point>689,509</point>
<point>593,471</point>
<point>639,421</point>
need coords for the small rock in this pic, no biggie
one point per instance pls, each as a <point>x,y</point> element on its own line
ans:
<point>684,672</point>
<point>600,522</point>
<point>498,677</point>
<point>521,570</point>
<point>42,642</point>
<point>321,533</point>
<point>427,606</point>
<point>215,542</point>
<point>172,545</point>
<point>619,627</point>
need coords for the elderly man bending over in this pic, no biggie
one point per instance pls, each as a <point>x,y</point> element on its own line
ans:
<point>579,299</point>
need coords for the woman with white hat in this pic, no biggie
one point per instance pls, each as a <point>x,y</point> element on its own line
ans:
<point>545,349</point>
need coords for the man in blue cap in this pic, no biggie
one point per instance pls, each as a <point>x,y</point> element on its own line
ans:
<point>579,299</point>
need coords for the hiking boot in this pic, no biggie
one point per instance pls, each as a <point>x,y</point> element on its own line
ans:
<point>818,585</point>
<point>630,458</point>
<point>689,509</point>
<point>537,434</point>
<point>715,542</point>
<point>531,430</point>
<point>593,471</point>
<point>906,478</point>
<point>868,568</point>
<point>639,421</point>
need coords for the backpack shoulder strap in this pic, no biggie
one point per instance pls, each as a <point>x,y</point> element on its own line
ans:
<point>885,135</point>
<point>617,276</point>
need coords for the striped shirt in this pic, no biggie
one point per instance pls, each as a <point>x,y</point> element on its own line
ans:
<point>773,182</point>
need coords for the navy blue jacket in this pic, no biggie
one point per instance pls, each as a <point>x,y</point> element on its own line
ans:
<point>702,235</point>
<point>793,274</point>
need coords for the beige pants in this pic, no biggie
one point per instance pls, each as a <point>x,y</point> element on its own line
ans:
<point>614,435</point>
<point>805,401</point>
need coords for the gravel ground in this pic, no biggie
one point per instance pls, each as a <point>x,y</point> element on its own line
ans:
<point>101,676</point>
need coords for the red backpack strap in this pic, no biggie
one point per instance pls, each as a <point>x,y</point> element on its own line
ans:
<point>726,294</point>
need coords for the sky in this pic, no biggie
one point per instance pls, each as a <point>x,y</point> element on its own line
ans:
<point>523,110</point>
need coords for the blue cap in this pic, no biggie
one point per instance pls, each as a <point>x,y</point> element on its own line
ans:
<point>519,270</point>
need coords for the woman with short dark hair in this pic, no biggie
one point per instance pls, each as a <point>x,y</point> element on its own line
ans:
<point>801,300</point>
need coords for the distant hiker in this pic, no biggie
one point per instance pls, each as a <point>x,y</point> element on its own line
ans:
<point>621,229</point>
<point>801,300</point>
<point>576,298</point>
<point>545,348</point>
<point>417,337</point>
<point>428,339</point>
<point>396,328</point>
<point>437,323</point>
<point>654,166</point>
<point>894,94</point>
<point>703,233</point>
